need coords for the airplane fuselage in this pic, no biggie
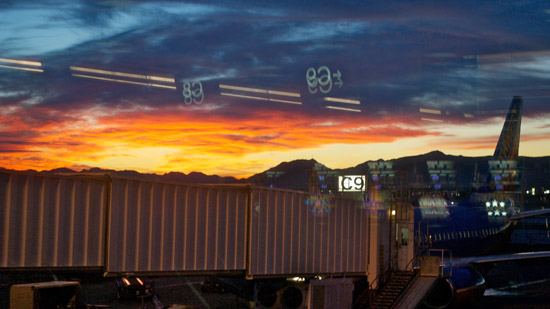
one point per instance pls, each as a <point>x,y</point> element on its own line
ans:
<point>463,230</point>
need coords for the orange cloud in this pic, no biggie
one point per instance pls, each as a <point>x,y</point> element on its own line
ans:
<point>167,139</point>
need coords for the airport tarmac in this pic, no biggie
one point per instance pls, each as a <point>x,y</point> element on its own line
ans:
<point>186,291</point>
<point>183,291</point>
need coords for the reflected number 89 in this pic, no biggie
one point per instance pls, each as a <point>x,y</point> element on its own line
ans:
<point>192,92</point>
<point>324,81</point>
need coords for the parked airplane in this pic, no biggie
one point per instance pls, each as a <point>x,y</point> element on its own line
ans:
<point>481,224</point>
<point>485,219</point>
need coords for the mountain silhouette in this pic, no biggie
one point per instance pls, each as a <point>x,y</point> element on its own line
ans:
<point>296,174</point>
<point>288,175</point>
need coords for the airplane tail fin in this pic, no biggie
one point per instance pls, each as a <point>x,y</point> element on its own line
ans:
<point>503,174</point>
<point>508,142</point>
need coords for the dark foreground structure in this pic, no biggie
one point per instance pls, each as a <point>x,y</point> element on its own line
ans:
<point>117,226</point>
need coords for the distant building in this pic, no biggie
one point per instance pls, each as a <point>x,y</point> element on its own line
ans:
<point>381,174</point>
<point>505,175</point>
<point>442,175</point>
<point>323,180</point>
<point>272,176</point>
<point>505,180</point>
<point>381,180</point>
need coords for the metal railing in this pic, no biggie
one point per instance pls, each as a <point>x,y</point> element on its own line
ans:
<point>382,279</point>
<point>442,262</point>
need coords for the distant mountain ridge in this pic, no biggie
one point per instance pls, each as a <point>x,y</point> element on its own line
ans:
<point>193,177</point>
<point>296,174</point>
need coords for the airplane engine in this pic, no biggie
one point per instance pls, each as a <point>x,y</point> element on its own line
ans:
<point>464,286</point>
<point>441,296</point>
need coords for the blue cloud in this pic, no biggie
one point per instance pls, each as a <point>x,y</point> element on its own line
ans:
<point>393,57</point>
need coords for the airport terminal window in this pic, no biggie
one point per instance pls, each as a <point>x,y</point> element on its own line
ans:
<point>405,237</point>
<point>244,93</point>
<point>413,101</point>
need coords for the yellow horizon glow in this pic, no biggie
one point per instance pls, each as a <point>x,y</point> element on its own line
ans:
<point>248,165</point>
<point>157,141</point>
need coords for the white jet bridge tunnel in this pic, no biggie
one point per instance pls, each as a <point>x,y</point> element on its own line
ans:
<point>120,225</point>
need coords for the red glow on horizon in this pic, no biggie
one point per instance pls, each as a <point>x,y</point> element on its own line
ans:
<point>89,137</point>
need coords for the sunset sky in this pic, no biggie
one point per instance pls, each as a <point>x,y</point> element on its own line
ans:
<point>117,84</point>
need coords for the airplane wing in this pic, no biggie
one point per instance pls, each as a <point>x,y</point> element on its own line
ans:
<point>530,213</point>
<point>500,258</point>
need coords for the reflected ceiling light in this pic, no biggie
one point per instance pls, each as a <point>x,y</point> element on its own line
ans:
<point>347,101</point>
<point>243,88</point>
<point>21,68</point>
<point>432,120</point>
<point>344,109</point>
<point>258,98</point>
<point>430,111</point>
<point>468,116</point>
<point>243,96</point>
<point>285,101</point>
<point>23,62</point>
<point>125,81</point>
<point>288,94</point>
<point>121,74</point>
<point>257,90</point>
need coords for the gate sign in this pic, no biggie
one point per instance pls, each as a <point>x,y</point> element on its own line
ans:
<point>351,183</point>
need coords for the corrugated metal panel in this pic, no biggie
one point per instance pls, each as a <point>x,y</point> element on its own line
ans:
<point>160,226</point>
<point>298,233</point>
<point>51,220</point>
<point>151,226</point>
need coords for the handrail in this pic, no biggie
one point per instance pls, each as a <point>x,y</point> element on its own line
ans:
<point>383,278</point>
<point>383,274</point>
<point>414,258</point>
<point>416,274</point>
<point>376,279</point>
